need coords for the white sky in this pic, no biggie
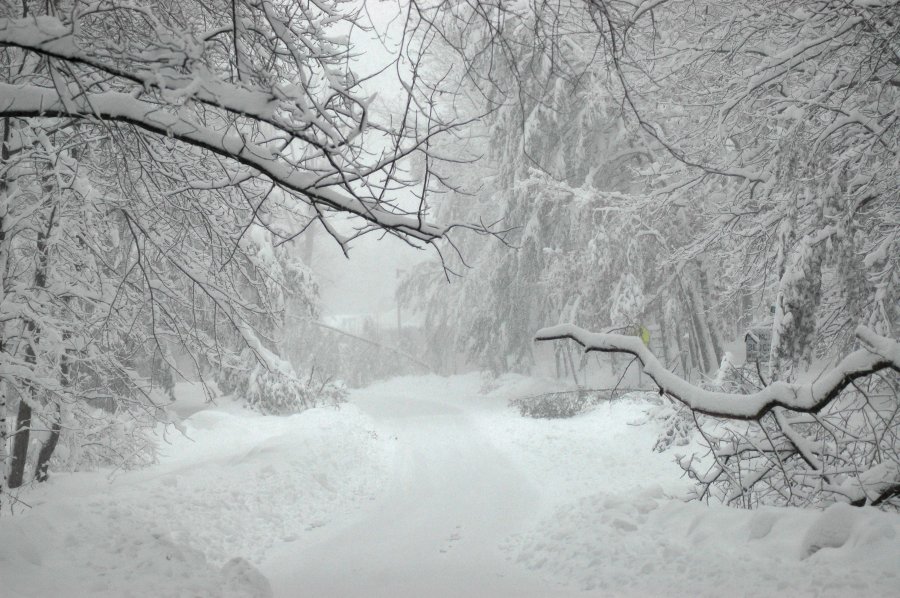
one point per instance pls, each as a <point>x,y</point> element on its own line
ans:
<point>367,282</point>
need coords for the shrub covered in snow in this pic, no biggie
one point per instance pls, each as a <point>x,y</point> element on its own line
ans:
<point>275,389</point>
<point>677,425</point>
<point>276,392</point>
<point>558,404</point>
<point>846,453</point>
<point>117,434</point>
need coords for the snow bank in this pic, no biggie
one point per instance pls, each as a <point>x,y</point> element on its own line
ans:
<point>644,543</point>
<point>199,522</point>
<point>60,556</point>
<point>615,524</point>
<point>574,457</point>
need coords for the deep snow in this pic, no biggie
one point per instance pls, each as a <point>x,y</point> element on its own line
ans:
<point>426,487</point>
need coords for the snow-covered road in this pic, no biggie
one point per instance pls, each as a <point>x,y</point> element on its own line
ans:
<point>426,487</point>
<point>454,499</point>
<point>482,502</point>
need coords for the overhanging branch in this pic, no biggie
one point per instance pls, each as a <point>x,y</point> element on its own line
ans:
<point>879,353</point>
<point>24,101</point>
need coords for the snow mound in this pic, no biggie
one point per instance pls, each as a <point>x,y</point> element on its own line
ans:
<point>243,579</point>
<point>116,563</point>
<point>831,529</point>
<point>648,544</point>
<point>197,523</point>
<point>593,543</point>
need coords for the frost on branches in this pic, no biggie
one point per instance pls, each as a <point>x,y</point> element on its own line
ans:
<point>710,169</point>
<point>155,162</point>
<point>834,438</point>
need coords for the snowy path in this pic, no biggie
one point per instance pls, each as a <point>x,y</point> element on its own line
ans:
<point>455,498</point>
<point>424,487</point>
<point>484,503</point>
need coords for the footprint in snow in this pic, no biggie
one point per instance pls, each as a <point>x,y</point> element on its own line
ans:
<point>454,537</point>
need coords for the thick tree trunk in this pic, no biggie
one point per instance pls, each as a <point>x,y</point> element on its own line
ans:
<point>42,468</point>
<point>688,332</point>
<point>20,446</point>
<point>715,336</point>
<point>23,418</point>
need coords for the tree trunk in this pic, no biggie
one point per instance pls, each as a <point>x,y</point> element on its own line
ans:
<point>689,332</point>
<point>685,338</point>
<point>41,470</point>
<point>663,334</point>
<point>709,361</point>
<point>23,419</point>
<point>718,344</point>
<point>4,199</point>
<point>20,446</point>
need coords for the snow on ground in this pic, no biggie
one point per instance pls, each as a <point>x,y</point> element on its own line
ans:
<point>427,487</point>
<point>617,525</point>
<point>192,525</point>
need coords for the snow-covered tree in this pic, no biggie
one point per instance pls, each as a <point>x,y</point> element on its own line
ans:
<point>805,443</point>
<point>767,138</point>
<point>780,131</point>
<point>155,161</point>
<point>559,169</point>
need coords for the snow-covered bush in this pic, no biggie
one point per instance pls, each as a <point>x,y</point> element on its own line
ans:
<point>676,422</point>
<point>274,389</point>
<point>834,438</point>
<point>555,405</point>
<point>848,452</point>
<point>792,458</point>
<point>678,425</point>
<point>97,438</point>
<point>278,393</point>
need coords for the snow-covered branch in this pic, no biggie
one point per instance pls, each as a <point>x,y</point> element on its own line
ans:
<point>879,353</point>
<point>258,83</point>
<point>282,106</point>
<point>34,101</point>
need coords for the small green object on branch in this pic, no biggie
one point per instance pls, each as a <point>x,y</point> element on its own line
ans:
<point>640,331</point>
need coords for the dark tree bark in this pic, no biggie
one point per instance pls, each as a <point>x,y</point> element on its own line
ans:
<point>4,157</point>
<point>41,470</point>
<point>20,446</point>
<point>23,418</point>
